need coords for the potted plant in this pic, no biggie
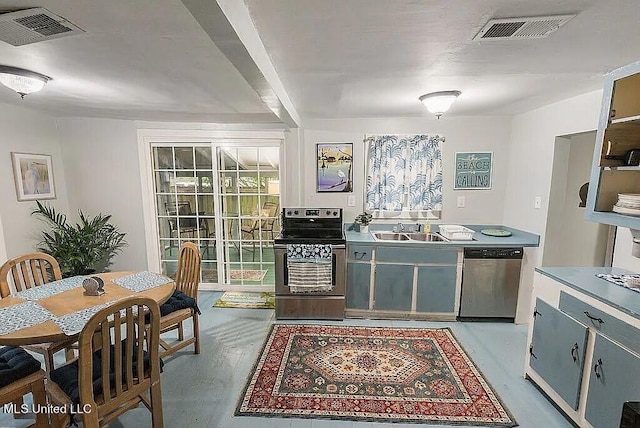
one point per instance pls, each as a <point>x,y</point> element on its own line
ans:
<point>362,222</point>
<point>82,248</point>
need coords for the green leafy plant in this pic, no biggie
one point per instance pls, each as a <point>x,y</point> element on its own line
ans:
<point>364,219</point>
<point>82,248</point>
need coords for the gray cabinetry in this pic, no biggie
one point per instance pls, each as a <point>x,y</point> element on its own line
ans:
<point>557,351</point>
<point>358,280</point>
<point>436,291</point>
<point>615,378</point>
<point>393,287</point>
<point>393,281</point>
<point>358,276</point>
<point>584,352</point>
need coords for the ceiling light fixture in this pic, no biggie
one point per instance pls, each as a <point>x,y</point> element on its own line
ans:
<point>439,102</point>
<point>22,81</point>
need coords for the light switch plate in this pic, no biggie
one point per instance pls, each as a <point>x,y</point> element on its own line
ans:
<point>537,202</point>
<point>461,201</point>
<point>351,201</point>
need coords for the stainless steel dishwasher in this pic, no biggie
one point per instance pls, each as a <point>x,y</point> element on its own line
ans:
<point>490,282</point>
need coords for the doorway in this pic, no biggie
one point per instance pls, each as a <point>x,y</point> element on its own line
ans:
<point>225,197</point>
<point>570,240</point>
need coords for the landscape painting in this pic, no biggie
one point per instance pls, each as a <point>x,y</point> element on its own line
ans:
<point>334,171</point>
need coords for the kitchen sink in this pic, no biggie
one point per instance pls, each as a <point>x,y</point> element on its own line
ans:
<point>427,237</point>
<point>390,236</point>
<point>410,236</point>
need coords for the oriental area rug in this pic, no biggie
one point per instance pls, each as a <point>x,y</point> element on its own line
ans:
<point>246,300</point>
<point>370,374</point>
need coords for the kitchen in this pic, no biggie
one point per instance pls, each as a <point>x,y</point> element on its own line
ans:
<point>523,145</point>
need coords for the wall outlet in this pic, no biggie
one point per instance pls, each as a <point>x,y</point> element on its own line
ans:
<point>461,201</point>
<point>351,201</point>
<point>537,203</point>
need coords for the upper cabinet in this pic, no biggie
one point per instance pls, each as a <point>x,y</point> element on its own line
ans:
<point>617,154</point>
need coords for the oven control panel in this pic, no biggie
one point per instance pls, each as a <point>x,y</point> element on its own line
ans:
<point>312,212</point>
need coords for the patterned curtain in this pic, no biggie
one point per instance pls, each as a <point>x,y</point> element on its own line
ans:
<point>396,160</point>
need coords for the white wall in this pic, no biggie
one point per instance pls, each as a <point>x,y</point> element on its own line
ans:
<point>103,176</point>
<point>622,257</point>
<point>533,136</point>
<point>461,134</point>
<point>570,240</point>
<point>530,161</point>
<point>26,131</point>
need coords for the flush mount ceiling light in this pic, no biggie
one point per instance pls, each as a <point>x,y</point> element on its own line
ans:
<point>22,81</point>
<point>439,102</point>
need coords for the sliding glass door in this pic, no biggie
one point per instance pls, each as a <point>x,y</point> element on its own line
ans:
<point>226,199</point>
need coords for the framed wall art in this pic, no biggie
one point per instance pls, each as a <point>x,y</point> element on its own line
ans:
<point>473,170</point>
<point>33,175</point>
<point>334,167</point>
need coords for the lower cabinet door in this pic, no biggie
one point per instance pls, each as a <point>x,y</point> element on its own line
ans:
<point>436,289</point>
<point>557,351</point>
<point>358,280</point>
<point>393,287</point>
<point>615,378</point>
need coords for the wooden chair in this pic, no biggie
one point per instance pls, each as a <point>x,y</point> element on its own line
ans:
<point>118,366</point>
<point>174,310</point>
<point>28,271</point>
<point>21,375</point>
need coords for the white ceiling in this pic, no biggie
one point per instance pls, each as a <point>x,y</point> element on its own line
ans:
<point>163,61</point>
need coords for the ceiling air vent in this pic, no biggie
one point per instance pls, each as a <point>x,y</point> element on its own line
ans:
<point>34,25</point>
<point>535,27</point>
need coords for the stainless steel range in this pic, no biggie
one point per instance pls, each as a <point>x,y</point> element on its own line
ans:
<point>310,262</point>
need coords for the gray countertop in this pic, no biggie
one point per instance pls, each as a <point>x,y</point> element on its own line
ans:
<point>519,238</point>
<point>584,279</point>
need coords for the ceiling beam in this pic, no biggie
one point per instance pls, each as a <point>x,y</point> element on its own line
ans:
<point>229,25</point>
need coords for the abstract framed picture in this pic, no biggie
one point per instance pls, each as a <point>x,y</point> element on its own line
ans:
<point>334,167</point>
<point>33,175</point>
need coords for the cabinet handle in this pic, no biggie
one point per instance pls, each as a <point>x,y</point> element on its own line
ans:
<point>531,352</point>
<point>536,313</point>
<point>355,255</point>
<point>598,366</point>
<point>591,317</point>
<point>574,352</point>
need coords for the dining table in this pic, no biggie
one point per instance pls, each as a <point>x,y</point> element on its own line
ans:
<point>59,310</point>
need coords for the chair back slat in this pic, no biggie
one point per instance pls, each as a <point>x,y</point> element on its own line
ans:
<point>123,372</point>
<point>140,344</point>
<point>129,349</point>
<point>117,344</point>
<point>106,362</point>
<point>188,273</point>
<point>27,271</point>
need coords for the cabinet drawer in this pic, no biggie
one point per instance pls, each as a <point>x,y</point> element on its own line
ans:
<point>416,255</point>
<point>608,325</point>
<point>360,252</point>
